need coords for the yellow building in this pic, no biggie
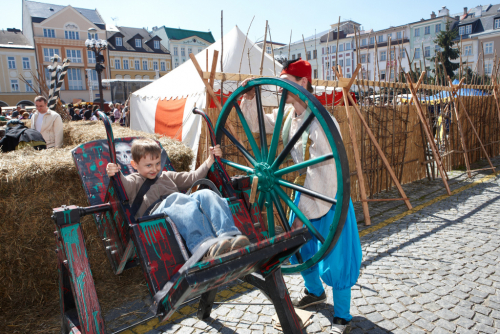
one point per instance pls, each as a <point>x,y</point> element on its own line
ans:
<point>17,60</point>
<point>135,54</point>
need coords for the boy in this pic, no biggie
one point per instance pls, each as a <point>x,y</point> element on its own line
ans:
<point>199,217</point>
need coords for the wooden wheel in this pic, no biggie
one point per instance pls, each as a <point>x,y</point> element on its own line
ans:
<point>265,163</point>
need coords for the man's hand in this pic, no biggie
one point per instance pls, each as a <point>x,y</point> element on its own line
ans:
<point>251,93</point>
<point>297,223</point>
<point>112,169</point>
<point>214,151</point>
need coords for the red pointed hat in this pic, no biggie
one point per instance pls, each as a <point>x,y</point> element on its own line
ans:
<point>297,67</point>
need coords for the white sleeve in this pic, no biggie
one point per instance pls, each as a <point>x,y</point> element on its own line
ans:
<point>249,110</point>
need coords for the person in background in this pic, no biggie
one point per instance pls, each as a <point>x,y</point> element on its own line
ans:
<point>16,112</point>
<point>87,113</point>
<point>26,115</point>
<point>48,123</point>
<point>71,109</point>
<point>126,111</point>
<point>76,115</point>
<point>117,113</point>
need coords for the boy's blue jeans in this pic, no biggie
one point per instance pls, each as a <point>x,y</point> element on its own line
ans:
<point>200,216</point>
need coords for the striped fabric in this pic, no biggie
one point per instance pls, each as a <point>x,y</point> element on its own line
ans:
<point>54,90</point>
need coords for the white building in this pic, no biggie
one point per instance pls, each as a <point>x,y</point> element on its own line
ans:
<point>181,42</point>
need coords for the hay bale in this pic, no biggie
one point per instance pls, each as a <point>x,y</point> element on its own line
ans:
<point>32,183</point>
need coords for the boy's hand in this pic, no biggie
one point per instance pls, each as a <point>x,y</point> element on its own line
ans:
<point>251,93</point>
<point>297,223</point>
<point>112,169</point>
<point>214,151</point>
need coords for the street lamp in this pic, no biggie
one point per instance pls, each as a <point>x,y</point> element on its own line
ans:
<point>97,46</point>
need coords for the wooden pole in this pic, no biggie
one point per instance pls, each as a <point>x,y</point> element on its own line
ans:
<point>428,133</point>
<point>263,51</point>
<point>221,56</point>
<point>289,43</point>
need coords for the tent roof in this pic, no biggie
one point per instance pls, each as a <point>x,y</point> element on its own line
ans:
<point>241,55</point>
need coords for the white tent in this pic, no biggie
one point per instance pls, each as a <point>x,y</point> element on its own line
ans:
<point>165,105</point>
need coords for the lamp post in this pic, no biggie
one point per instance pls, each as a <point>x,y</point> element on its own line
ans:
<point>97,45</point>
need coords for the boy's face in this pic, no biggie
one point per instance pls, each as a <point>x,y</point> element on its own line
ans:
<point>147,166</point>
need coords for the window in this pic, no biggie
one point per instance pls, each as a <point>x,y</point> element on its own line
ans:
<point>416,32</point>
<point>438,27</point>
<point>427,51</point>
<point>75,79</point>
<point>12,62</point>
<point>176,63</point>
<point>298,55</point>
<point>156,44</point>
<point>75,56</point>
<point>155,66</point>
<point>437,49</point>
<point>334,48</point>
<point>29,85</point>
<point>176,53</point>
<point>162,66</point>
<point>49,33</point>
<point>392,54</point>
<point>383,55</point>
<point>26,62</point>
<point>402,53</point>
<point>199,50</point>
<point>427,30</point>
<point>497,23</point>
<point>293,57</point>
<point>363,42</point>
<point>49,53</point>
<point>92,36</point>
<point>488,48</point>
<point>315,74</point>
<point>487,68</point>
<point>268,49</point>
<point>93,79</point>
<point>392,74</point>
<point>417,53</point>
<point>117,64</point>
<point>91,57</point>
<point>322,51</point>
<point>363,58</point>
<point>341,63</point>
<point>125,64</point>
<point>341,47</point>
<point>347,46</point>
<point>468,50</point>
<point>380,38</point>
<point>145,65</point>
<point>308,55</point>
<point>315,54</point>
<point>14,85</point>
<point>468,29</point>
<point>138,43</point>
<point>399,35</point>
<point>183,52</point>
<point>71,34</point>
<point>137,65</point>
<point>372,40</point>
<point>389,36</point>
<point>183,60</point>
<point>190,51</point>
<point>118,41</point>
<point>382,75</point>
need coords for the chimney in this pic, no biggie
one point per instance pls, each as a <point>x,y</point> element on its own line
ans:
<point>444,11</point>
<point>433,15</point>
<point>465,10</point>
<point>479,11</point>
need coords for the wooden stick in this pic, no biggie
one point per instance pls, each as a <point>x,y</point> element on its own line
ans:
<point>253,191</point>
<point>263,51</point>
<point>377,146</point>
<point>244,44</point>
<point>428,133</point>
<point>418,84</point>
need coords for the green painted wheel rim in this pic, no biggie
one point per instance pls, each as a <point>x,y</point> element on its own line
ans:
<point>269,173</point>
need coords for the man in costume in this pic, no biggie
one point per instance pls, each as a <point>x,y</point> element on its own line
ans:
<point>340,269</point>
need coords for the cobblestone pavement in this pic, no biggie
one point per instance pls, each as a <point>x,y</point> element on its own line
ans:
<point>435,270</point>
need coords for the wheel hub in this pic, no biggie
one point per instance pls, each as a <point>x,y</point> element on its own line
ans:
<point>266,176</point>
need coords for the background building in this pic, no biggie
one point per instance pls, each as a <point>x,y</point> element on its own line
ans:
<point>62,30</point>
<point>17,60</point>
<point>269,46</point>
<point>135,54</point>
<point>182,42</point>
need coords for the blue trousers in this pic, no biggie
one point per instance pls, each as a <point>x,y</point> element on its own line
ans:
<point>340,268</point>
<point>200,216</point>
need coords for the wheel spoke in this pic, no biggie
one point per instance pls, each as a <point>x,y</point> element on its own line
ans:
<point>281,211</point>
<point>262,125</point>
<point>260,201</point>
<point>240,147</point>
<point>299,213</point>
<point>303,164</point>
<point>305,191</point>
<point>293,140</point>
<point>248,133</point>
<point>270,215</point>
<point>277,128</point>
<point>238,166</point>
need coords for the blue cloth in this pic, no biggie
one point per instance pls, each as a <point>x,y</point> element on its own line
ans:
<point>340,268</point>
<point>200,216</point>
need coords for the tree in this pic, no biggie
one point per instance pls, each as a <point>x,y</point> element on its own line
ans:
<point>445,40</point>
